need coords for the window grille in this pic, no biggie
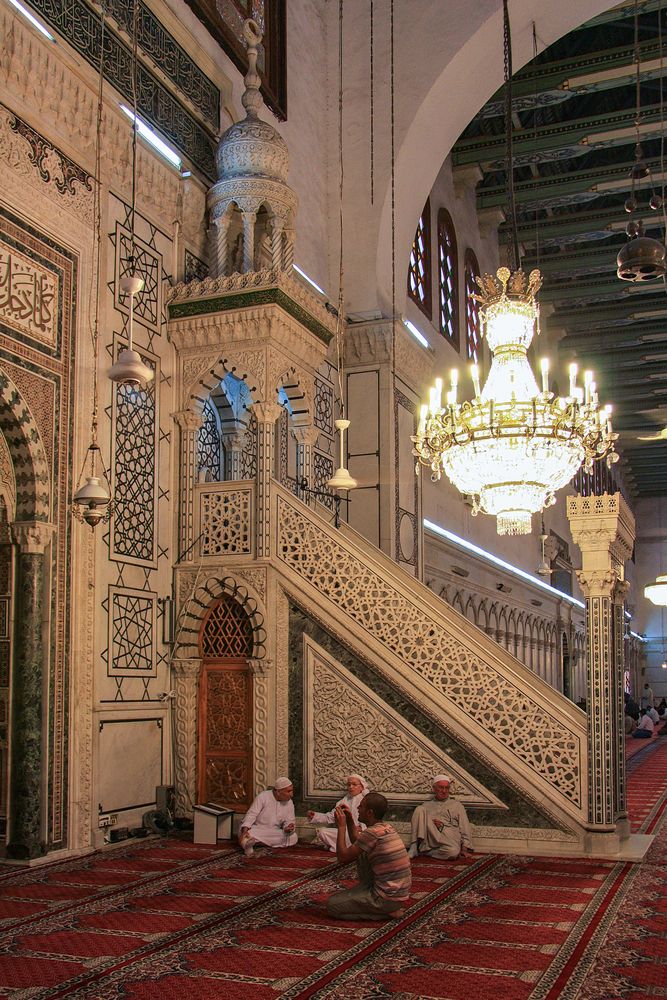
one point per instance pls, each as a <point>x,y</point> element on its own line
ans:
<point>419,272</point>
<point>448,278</point>
<point>473,334</point>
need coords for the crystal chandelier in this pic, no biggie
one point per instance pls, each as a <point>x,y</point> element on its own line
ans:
<point>513,446</point>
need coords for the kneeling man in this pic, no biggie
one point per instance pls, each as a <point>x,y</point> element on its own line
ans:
<point>383,866</point>
<point>270,819</point>
<point>440,826</point>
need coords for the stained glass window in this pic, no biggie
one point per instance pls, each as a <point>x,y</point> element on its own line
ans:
<point>448,278</point>
<point>473,338</point>
<point>419,272</point>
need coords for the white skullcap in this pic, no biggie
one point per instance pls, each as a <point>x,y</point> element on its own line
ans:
<point>441,777</point>
<point>360,778</point>
<point>282,783</point>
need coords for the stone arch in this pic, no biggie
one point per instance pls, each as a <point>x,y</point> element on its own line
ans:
<point>482,615</point>
<point>422,149</point>
<point>31,468</point>
<point>198,391</point>
<point>300,404</point>
<point>196,609</point>
<point>457,602</point>
<point>471,611</point>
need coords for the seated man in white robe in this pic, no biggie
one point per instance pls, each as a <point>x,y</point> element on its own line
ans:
<point>440,826</point>
<point>356,789</point>
<point>270,819</point>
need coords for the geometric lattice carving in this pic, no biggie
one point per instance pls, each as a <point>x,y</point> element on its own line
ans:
<point>132,625</point>
<point>324,416</point>
<point>249,454</point>
<point>134,481</point>
<point>490,698</point>
<point>225,518</point>
<point>208,444</point>
<point>227,693</point>
<point>386,748</point>
<point>227,631</point>
<point>148,265</point>
<point>419,270</point>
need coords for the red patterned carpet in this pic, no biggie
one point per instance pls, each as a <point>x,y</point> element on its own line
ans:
<point>166,918</point>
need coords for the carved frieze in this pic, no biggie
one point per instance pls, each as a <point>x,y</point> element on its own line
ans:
<point>350,729</point>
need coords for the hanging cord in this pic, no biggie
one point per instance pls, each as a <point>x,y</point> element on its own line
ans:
<point>536,167</point>
<point>662,136</point>
<point>372,108</point>
<point>340,351</point>
<point>97,235</point>
<point>135,34</point>
<point>393,193</point>
<point>507,51</point>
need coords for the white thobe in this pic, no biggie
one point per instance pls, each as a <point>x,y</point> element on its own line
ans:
<point>455,833</point>
<point>267,818</point>
<point>329,838</point>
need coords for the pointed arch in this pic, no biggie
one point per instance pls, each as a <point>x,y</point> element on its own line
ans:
<point>33,479</point>
<point>198,606</point>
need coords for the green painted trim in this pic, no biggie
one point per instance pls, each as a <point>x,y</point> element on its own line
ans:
<point>243,300</point>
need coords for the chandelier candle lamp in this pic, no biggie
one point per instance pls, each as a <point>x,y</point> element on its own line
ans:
<point>513,445</point>
<point>129,369</point>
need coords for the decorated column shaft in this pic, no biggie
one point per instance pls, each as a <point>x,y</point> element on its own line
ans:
<point>267,415</point>
<point>189,423</point>
<point>604,529</point>
<point>234,442</point>
<point>306,439</point>
<point>26,783</point>
<point>186,686</point>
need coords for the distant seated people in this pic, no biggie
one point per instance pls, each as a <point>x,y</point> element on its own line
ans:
<point>647,696</point>
<point>646,727</point>
<point>631,706</point>
<point>383,866</point>
<point>440,826</point>
<point>270,819</point>
<point>662,708</point>
<point>653,712</point>
<point>356,789</point>
<point>630,724</point>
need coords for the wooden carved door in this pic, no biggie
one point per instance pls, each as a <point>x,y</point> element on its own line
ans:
<point>225,708</point>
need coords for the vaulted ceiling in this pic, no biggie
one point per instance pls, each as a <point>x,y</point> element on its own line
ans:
<point>574,115</point>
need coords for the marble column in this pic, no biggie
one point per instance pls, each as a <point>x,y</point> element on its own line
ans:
<point>189,423</point>
<point>267,414</point>
<point>306,438</point>
<point>604,529</point>
<point>234,442</point>
<point>186,675</point>
<point>27,823</point>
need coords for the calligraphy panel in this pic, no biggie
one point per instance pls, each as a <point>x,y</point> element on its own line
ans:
<point>29,296</point>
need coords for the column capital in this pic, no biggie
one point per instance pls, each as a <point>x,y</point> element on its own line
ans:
<point>266,411</point>
<point>188,420</point>
<point>259,667</point>
<point>599,582</point>
<point>186,668</point>
<point>234,440</point>
<point>306,434</point>
<point>603,527</point>
<point>32,536</point>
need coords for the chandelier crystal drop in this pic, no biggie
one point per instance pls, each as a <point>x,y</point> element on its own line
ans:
<point>514,445</point>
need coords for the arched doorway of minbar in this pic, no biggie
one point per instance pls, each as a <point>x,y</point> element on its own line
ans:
<point>225,710</point>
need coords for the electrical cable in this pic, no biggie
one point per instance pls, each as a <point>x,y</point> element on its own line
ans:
<point>507,53</point>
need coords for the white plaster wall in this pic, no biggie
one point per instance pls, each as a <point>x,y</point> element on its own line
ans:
<point>651,561</point>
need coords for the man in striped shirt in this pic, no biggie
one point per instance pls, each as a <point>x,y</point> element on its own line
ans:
<point>383,865</point>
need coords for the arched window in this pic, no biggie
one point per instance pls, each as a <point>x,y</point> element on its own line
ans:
<point>448,278</point>
<point>473,337</point>
<point>419,272</point>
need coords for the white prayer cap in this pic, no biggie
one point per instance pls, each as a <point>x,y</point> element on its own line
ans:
<point>441,777</point>
<point>360,778</point>
<point>282,783</point>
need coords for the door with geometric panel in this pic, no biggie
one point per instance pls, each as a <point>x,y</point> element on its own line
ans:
<point>224,731</point>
